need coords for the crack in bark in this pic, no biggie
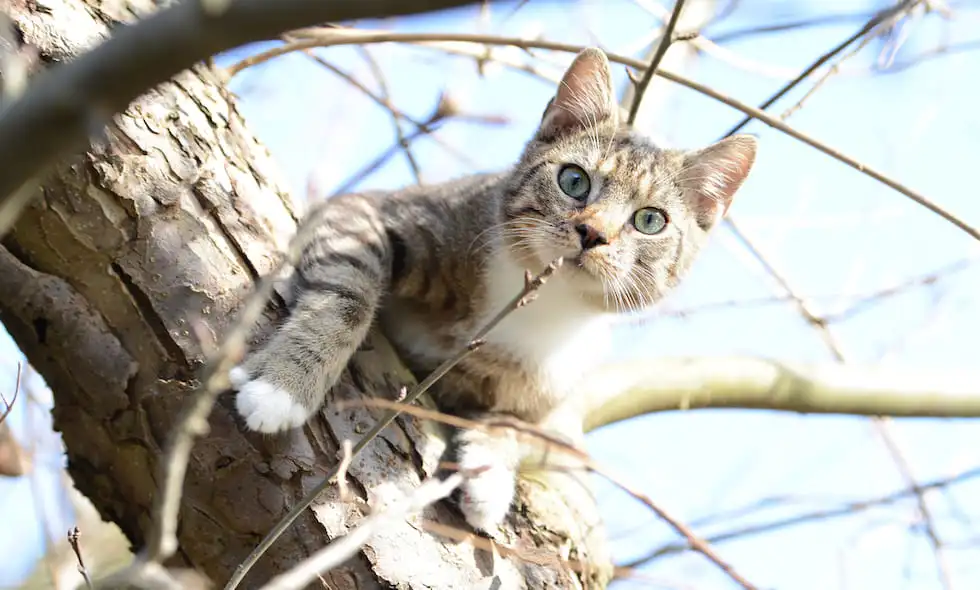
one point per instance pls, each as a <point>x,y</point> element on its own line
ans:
<point>142,302</point>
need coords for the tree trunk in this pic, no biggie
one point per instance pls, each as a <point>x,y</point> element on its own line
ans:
<point>131,255</point>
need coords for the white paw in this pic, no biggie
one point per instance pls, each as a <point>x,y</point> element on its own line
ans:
<point>265,407</point>
<point>486,498</point>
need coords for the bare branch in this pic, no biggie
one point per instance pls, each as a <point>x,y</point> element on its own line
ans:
<point>856,303</point>
<point>379,77</point>
<point>925,514</point>
<point>344,548</point>
<point>331,37</point>
<point>628,389</point>
<point>829,73</point>
<point>9,406</point>
<point>817,21</point>
<point>848,509</point>
<point>422,127</point>
<point>73,542</point>
<point>925,56</point>
<point>342,467</point>
<point>888,14</point>
<point>667,38</point>
<point>538,436</point>
<point>13,460</point>
<point>879,414</point>
<point>60,108</point>
<point>683,530</point>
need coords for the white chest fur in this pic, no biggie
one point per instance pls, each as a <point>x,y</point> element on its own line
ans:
<point>558,336</point>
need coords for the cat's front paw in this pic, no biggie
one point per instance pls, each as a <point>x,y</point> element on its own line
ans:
<point>485,498</point>
<point>264,406</point>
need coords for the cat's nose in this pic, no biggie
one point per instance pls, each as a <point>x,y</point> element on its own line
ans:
<point>591,236</point>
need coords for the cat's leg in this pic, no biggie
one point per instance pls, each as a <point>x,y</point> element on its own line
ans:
<point>486,498</point>
<point>339,281</point>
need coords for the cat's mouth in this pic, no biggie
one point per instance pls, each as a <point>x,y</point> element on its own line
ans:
<point>591,264</point>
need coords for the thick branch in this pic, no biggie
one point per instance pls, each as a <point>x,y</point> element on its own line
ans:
<point>626,390</point>
<point>67,104</point>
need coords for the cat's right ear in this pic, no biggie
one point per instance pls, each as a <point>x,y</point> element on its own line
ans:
<point>584,99</point>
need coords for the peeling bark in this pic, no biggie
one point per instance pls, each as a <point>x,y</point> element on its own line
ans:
<point>161,227</point>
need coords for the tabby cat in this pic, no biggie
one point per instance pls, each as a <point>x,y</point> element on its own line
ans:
<point>432,264</point>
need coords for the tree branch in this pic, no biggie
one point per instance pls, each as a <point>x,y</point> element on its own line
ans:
<point>628,389</point>
<point>63,106</point>
<point>532,434</point>
<point>333,37</point>
<point>892,12</point>
<point>666,40</point>
<point>344,548</point>
<point>524,297</point>
<point>820,515</point>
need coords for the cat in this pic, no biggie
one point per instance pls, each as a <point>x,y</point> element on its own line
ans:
<point>432,264</point>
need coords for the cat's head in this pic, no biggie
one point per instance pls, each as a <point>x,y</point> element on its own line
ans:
<point>627,217</point>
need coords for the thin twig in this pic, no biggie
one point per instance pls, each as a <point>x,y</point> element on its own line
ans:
<point>817,21</point>
<point>382,158</point>
<point>387,105</point>
<point>345,459</point>
<point>401,141</point>
<point>926,56</point>
<point>925,513</point>
<point>73,541</point>
<point>444,112</point>
<point>869,26</point>
<point>536,435</point>
<point>526,556</point>
<point>9,406</point>
<point>526,295</point>
<point>339,551</point>
<point>163,540</point>
<point>524,431</point>
<point>332,37</point>
<point>817,515</point>
<point>665,42</point>
<point>831,71</point>
<point>856,303</point>
<point>379,77</point>
<point>696,542</point>
<point>929,279</point>
<point>880,423</point>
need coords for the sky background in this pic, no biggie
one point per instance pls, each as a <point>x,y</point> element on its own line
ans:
<point>833,233</point>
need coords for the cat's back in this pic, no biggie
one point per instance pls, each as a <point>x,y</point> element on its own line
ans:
<point>438,236</point>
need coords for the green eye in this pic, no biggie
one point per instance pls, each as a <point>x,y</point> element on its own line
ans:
<point>574,182</point>
<point>650,220</point>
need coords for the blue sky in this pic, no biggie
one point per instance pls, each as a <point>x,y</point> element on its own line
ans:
<point>832,232</point>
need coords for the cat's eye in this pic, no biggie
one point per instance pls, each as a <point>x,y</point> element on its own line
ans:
<point>650,220</point>
<point>574,182</point>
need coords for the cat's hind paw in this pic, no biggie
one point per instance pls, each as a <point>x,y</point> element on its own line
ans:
<point>265,407</point>
<point>485,499</point>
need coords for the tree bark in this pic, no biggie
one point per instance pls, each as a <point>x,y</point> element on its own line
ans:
<point>135,252</point>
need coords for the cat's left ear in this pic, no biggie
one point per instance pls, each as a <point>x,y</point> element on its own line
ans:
<point>711,176</point>
<point>585,98</point>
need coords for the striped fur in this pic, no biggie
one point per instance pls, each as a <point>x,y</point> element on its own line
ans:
<point>433,264</point>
